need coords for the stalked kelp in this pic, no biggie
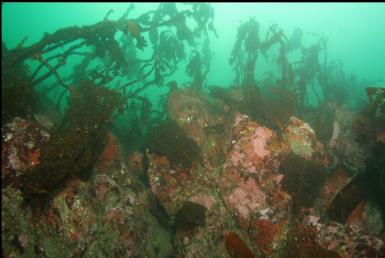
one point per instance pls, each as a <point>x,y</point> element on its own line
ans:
<point>112,45</point>
<point>270,101</point>
<point>247,47</point>
<point>17,96</point>
<point>76,144</point>
<point>247,43</point>
<point>272,106</point>
<point>107,52</point>
<point>194,69</point>
<point>321,119</point>
<point>199,64</point>
<point>238,171</point>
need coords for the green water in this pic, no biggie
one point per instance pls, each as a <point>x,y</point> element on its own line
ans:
<point>197,67</point>
<point>355,30</point>
<point>354,34</point>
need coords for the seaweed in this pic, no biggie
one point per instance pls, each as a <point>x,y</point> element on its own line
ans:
<point>275,106</point>
<point>376,97</point>
<point>194,70</point>
<point>203,14</point>
<point>18,98</point>
<point>190,216</point>
<point>167,29</point>
<point>272,108</point>
<point>302,243</point>
<point>295,40</point>
<point>158,211</point>
<point>321,120</point>
<point>303,180</point>
<point>170,140</point>
<point>109,76</point>
<point>247,43</point>
<point>75,145</point>
<point>368,124</point>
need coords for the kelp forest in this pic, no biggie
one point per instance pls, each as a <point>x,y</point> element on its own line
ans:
<point>282,164</point>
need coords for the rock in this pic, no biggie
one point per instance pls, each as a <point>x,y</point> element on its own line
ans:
<point>106,214</point>
<point>191,111</point>
<point>343,147</point>
<point>21,143</point>
<point>347,199</point>
<point>302,140</point>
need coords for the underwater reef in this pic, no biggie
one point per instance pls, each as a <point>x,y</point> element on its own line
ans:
<point>93,167</point>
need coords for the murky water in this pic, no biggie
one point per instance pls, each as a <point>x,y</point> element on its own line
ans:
<point>193,130</point>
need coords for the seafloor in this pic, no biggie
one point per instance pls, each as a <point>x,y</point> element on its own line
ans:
<point>250,170</point>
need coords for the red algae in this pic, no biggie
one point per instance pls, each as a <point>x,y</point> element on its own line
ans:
<point>266,234</point>
<point>236,247</point>
<point>110,153</point>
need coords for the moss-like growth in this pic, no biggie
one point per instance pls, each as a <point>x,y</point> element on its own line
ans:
<point>302,243</point>
<point>76,144</point>
<point>303,180</point>
<point>271,107</point>
<point>377,100</point>
<point>170,140</point>
<point>321,120</point>
<point>15,224</point>
<point>17,94</point>
<point>246,100</point>
<point>191,215</point>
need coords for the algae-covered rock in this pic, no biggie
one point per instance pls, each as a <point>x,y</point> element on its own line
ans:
<point>170,140</point>
<point>104,216</point>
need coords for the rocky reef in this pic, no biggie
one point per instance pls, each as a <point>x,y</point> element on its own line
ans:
<point>102,169</point>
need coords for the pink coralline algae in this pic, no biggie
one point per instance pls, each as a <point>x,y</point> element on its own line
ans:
<point>246,198</point>
<point>346,240</point>
<point>250,147</point>
<point>261,136</point>
<point>204,200</point>
<point>253,162</point>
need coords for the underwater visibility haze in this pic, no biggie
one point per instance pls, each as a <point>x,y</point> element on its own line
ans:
<point>193,130</point>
